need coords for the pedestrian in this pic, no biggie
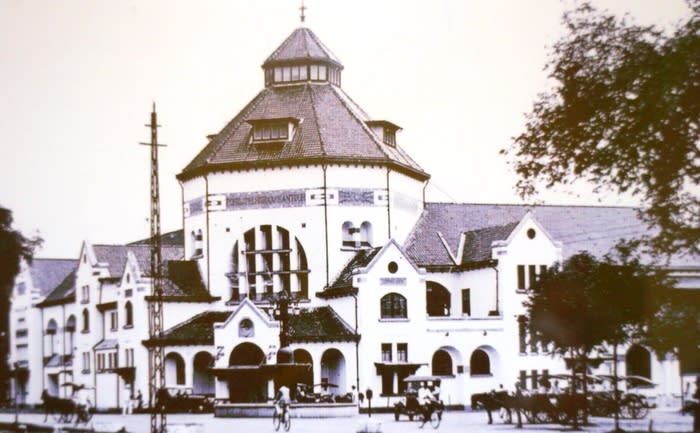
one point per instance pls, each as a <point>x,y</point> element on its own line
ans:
<point>139,400</point>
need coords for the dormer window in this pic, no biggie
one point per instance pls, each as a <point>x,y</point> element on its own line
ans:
<point>272,130</point>
<point>315,72</point>
<point>385,130</point>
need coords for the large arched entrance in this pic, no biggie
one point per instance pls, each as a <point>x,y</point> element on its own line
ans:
<point>301,356</point>
<point>247,384</point>
<point>202,379</point>
<point>174,370</point>
<point>333,371</point>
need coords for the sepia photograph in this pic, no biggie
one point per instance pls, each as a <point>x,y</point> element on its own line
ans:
<point>367,216</point>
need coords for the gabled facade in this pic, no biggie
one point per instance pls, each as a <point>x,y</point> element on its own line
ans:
<point>305,199</point>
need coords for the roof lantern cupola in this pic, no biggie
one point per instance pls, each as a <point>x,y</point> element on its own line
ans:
<point>302,58</point>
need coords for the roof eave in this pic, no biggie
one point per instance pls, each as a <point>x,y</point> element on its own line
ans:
<point>202,170</point>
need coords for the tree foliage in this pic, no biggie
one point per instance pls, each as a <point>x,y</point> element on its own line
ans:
<point>624,113</point>
<point>588,303</point>
<point>14,248</point>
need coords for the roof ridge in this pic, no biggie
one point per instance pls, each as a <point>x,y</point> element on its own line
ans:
<point>318,130</point>
<point>530,205</point>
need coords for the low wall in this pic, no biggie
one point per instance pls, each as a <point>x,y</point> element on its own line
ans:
<point>298,410</point>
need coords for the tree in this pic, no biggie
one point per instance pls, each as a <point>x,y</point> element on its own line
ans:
<point>14,248</point>
<point>587,304</point>
<point>624,114</point>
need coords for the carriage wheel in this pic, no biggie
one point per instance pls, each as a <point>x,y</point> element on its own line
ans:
<point>636,409</point>
<point>434,420</point>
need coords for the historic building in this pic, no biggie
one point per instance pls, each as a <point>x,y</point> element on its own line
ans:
<point>309,255</point>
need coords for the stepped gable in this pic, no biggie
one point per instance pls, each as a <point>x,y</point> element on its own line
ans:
<point>196,331</point>
<point>591,228</point>
<point>64,293</point>
<point>320,324</point>
<point>48,273</point>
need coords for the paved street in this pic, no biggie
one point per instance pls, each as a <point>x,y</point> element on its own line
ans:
<point>462,422</point>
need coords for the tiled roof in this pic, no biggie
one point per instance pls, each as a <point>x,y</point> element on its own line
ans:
<point>175,238</point>
<point>115,256</point>
<point>360,260</point>
<point>320,324</point>
<point>63,293</point>
<point>48,273</point>
<point>591,228</point>
<point>107,344</point>
<point>332,130</point>
<point>184,282</point>
<point>477,243</point>
<point>198,330</point>
<point>302,44</point>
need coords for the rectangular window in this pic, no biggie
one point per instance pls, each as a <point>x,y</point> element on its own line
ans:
<point>278,74</point>
<point>322,73</point>
<point>543,270</point>
<point>523,379</point>
<point>113,322</point>
<point>521,277</point>
<point>295,73</point>
<point>314,72</point>
<point>286,73</point>
<point>303,73</point>
<point>386,352</point>
<point>100,361</point>
<point>466,302</point>
<point>85,298</point>
<point>86,362</point>
<point>534,379</point>
<point>402,352</point>
<point>532,274</point>
<point>522,331</point>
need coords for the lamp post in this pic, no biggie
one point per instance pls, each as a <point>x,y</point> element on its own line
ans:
<point>281,313</point>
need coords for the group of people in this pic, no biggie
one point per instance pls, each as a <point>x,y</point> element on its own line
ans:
<point>428,395</point>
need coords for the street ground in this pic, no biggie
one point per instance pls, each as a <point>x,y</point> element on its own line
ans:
<point>453,422</point>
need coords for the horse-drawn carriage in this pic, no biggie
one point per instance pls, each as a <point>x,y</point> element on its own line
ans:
<point>413,408</point>
<point>567,407</point>
<point>65,410</point>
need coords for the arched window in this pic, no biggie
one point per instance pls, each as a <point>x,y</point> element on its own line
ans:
<point>348,234</point>
<point>393,306</point>
<point>638,362</point>
<point>51,329</point>
<point>479,363</point>
<point>86,320</point>
<point>129,313</point>
<point>442,363</point>
<point>366,234</point>
<point>437,299</point>
<point>70,329</point>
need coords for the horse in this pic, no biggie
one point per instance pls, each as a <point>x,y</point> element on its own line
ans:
<point>491,401</point>
<point>63,408</point>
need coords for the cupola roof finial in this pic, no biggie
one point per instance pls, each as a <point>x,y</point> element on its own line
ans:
<point>302,8</point>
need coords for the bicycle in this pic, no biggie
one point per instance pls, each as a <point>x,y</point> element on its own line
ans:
<point>281,418</point>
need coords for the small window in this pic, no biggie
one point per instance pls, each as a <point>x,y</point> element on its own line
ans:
<point>386,352</point>
<point>532,274</point>
<point>86,320</point>
<point>466,302</point>
<point>246,328</point>
<point>521,277</point>
<point>128,315</point>
<point>392,267</point>
<point>402,352</point>
<point>531,233</point>
<point>113,322</point>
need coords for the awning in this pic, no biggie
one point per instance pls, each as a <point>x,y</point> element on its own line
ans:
<point>107,344</point>
<point>126,373</point>
<point>403,368</point>
<point>267,369</point>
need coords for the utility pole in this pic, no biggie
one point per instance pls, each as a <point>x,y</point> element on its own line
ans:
<point>156,369</point>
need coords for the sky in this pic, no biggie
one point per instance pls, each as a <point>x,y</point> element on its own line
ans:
<point>78,79</point>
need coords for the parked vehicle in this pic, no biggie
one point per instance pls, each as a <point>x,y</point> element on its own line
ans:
<point>171,401</point>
